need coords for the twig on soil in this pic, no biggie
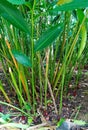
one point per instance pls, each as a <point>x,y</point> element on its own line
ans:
<point>45,125</point>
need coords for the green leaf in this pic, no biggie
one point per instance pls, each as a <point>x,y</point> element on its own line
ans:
<point>27,106</point>
<point>74,4</point>
<point>48,37</point>
<point>22,58</point>
<point>79,122</point>
<point>60,122</point>
<point>80,15</point>
<point>83,40</point>
<point>6,117</point>
<point>17,2</point>
<point>29,120</point>
<point>13,15</point>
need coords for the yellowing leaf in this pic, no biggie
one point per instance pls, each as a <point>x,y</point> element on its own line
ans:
<point>61,2</point>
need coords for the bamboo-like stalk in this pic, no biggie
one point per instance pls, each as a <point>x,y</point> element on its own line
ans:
<point>16,87</point>
<point>4,93</point>
<point>32,53</point>
<point>69,53</point>
<point>46,76</point>
<point>40,79</point>
<point>50,89</point>
<point>16,65</point>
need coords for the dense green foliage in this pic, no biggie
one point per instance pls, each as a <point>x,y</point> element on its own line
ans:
<point>41,43</point>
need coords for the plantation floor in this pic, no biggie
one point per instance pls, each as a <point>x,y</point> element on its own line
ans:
<point>75,105</point>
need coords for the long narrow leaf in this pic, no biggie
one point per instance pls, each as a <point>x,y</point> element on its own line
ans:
<point>48,37</point>
<point>82,45</point>
<point>13,15</point>
<point>17,2</point>
<point>71,5</point>
<point>22,58</point>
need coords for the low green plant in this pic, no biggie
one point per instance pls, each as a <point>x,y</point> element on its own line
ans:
<point>41,43</point>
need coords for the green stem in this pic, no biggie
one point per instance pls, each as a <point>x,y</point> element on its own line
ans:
<point>20,97</point>
<point>69,55</point>
<point>40,76</point>
<point>32,47</point>
<point>46,76</point>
